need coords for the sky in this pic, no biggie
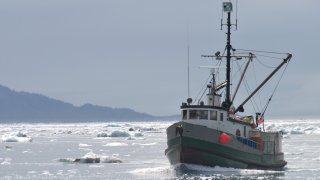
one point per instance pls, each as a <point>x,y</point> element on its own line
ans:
<point>133,53</point>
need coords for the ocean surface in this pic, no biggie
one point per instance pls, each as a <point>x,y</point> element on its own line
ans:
<point>135,150</point>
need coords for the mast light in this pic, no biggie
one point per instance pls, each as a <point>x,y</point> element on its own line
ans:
<point>227,7</point>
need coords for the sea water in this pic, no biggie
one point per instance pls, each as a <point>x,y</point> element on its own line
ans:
<point>135,150</point>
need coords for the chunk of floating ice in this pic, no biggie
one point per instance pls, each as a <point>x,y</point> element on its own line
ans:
<point>102,134</point>
<point>135,138</point>
<point>113,125</point>
<point>316,159</point>
<point>112,159</point>
<point>145,128</point>
<point>84,145</point>
<point>119,134</point>
<point>131,138</point>
<point>16,137</point>
<point>116,144</point>
<point>91,158</point>
<point>66,160</point>
<point>7,161</point>
<point>297,130</point>
<point>46,173</point>
<point>32,172</point>
<point>138,135</point>
<point>114,134</point>
<point>145,144</point>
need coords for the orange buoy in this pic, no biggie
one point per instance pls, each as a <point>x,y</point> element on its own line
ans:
<point>224,138</point>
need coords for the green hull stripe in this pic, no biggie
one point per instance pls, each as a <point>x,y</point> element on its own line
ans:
<point>219,149</point>
<point>213,160</point>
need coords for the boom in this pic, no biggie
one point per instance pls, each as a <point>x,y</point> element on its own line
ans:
<point>240,107</point>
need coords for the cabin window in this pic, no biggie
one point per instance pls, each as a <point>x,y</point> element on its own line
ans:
<point>213,115</point>
<point>203,114</point>
<point>221,116</point>
<point>193,114</point>
<point>184,114</point>
<point>198,114</point>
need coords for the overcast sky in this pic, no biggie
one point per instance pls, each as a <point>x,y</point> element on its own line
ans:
<point>132,53</point>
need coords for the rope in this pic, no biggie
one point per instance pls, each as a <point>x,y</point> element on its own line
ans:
<point>255,78</point>
<point>269,52</point>
<point>266,66</point>
<point>252,101</point>
<point>248,89</point>
<point>271,57</point>
<point>202,89</point>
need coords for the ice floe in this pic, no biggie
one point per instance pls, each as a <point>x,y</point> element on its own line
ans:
<point>316,159</point>
<point>145,144</point>
<point>5,161</point>
<point>131,138</point>
<point>143,129</point>
<point>134,138</point>
<point>114,134</point>
<point>84,145</point>
<point>295,127</point>
<point>16,137</point>
<point>91,158</point>
<point>138,134</point>
<point>103,134</point>
<point>112,144</point>
<point>119,134</point>
<point>113,125</point>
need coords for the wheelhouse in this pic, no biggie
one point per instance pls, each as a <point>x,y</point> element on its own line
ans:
<point>193,113</point>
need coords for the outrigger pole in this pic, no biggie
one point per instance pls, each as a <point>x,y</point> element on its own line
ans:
<point>240,107</point>
<point>242,76</point>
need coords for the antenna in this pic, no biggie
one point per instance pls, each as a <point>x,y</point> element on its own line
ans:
<point>188,69</point>
<point>188,51</point>
<point>236,14</point>
<point>227,8</point>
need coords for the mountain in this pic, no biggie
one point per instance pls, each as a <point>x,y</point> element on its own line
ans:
<point>29,107</point>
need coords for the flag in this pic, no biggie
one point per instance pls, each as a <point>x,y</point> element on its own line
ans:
<point>260,121</point>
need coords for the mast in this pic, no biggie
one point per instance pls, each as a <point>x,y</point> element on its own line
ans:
<point>228,47</point>
<point>227,8</point>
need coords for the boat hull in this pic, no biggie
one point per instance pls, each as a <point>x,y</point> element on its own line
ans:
<point>200,145</point>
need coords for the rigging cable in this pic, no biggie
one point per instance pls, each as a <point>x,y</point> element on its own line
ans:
<point>271,57</point>
<point>252,101</point>
<point>266,106</point>
<point>202,89</point>
<point>266,66</point>
<point>268,52</point>
<point>255,78</point>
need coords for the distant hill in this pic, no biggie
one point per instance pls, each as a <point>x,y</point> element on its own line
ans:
<point>30,107</point>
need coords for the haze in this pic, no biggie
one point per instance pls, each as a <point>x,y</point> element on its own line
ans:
<point>123,53</point>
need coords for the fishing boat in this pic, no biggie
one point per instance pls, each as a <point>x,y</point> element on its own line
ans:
<point>214,131</point>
